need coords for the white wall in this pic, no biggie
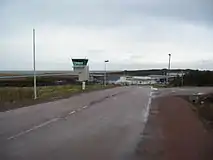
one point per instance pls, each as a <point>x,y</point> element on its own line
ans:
<point>83,73</point>
<point>136,80</point>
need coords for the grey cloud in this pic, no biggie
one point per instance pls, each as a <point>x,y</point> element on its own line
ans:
<point>100,12</point>
<point>135,15</point>
<point>46,65</point>
<point>174,65</point>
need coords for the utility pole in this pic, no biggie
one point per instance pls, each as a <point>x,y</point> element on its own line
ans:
<point>168,68</point>
<point>34,65</point>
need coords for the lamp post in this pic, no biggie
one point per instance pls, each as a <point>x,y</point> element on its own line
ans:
<point>105,73</point>
<point>169,66</point>
<point>34,65</point>
<point>182,78</point>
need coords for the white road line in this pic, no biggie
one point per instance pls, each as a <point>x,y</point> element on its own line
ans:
<point>146,114</point>
<point>147,110</point>
<point>84,107</point>
<point>33,128</point>
<point>200,93</point>
<point>114,98</point>
<point>8,111</point>
<point>72,112</point>
<point>150,94</point>
<point>155,89</point>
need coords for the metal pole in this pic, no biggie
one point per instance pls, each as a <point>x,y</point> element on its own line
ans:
<point>182,79</point>
<point>105,73</point>
<point>34,65</point>
<point>168,68</point>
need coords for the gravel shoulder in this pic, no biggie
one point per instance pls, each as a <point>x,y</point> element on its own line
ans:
<point>174,131</point>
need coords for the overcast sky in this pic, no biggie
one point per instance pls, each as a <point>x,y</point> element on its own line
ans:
<point>131,34</point>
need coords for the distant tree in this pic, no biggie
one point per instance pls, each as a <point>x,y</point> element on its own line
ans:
<point>195,78</point>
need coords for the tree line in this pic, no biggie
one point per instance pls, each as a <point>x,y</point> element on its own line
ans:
<point>194,78</point>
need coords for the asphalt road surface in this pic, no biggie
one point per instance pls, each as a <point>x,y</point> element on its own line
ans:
<point>98,125</point>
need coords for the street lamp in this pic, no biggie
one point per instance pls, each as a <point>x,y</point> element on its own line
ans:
<point>34,66</point>
<point>169,66</point>
<point>105,76</point>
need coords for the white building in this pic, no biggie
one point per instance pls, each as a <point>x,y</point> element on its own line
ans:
<point>136,80</point>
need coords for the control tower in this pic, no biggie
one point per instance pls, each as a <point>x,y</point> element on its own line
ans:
<point>81,68</point>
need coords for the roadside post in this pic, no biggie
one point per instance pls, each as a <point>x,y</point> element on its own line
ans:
<point>105,72</point>
<point>83,86</point>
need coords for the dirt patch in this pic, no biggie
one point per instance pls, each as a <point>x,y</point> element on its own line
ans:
<point>203,106</point>
<point>174,132</point>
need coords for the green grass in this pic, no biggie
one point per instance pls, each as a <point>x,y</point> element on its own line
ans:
<point>17,94</point>
<point>159,85</point>
<point>52,91</point>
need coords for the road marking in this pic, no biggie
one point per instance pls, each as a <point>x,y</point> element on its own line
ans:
<point>148,108</point>
<point>72,112</point>
<point>150,95</point>
<point>114,98</point>
<point>155,89</point>
<point>84,107</point>
<point>200,93</point>
<point>8,111</point>
<point>147,112</point>
<point>33,128</point>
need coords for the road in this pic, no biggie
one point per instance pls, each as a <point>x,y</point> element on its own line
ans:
<point>98,125</point>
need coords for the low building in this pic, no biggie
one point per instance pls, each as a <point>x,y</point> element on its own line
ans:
<point>136,80</point>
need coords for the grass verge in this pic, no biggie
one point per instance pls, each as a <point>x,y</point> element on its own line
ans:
<point>15,97</point>
<point>159,86</point>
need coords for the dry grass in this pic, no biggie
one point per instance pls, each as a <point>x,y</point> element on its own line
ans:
<point>52,91</point>
<point>159,85</point>
<point>7,74</point>
<point>18,94</point>
<point>11,94</point>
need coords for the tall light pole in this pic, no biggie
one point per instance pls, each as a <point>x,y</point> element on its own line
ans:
<point>182,78</point>
<point>34,65</point>
<point>105,72</point>
<point>169,66</point>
